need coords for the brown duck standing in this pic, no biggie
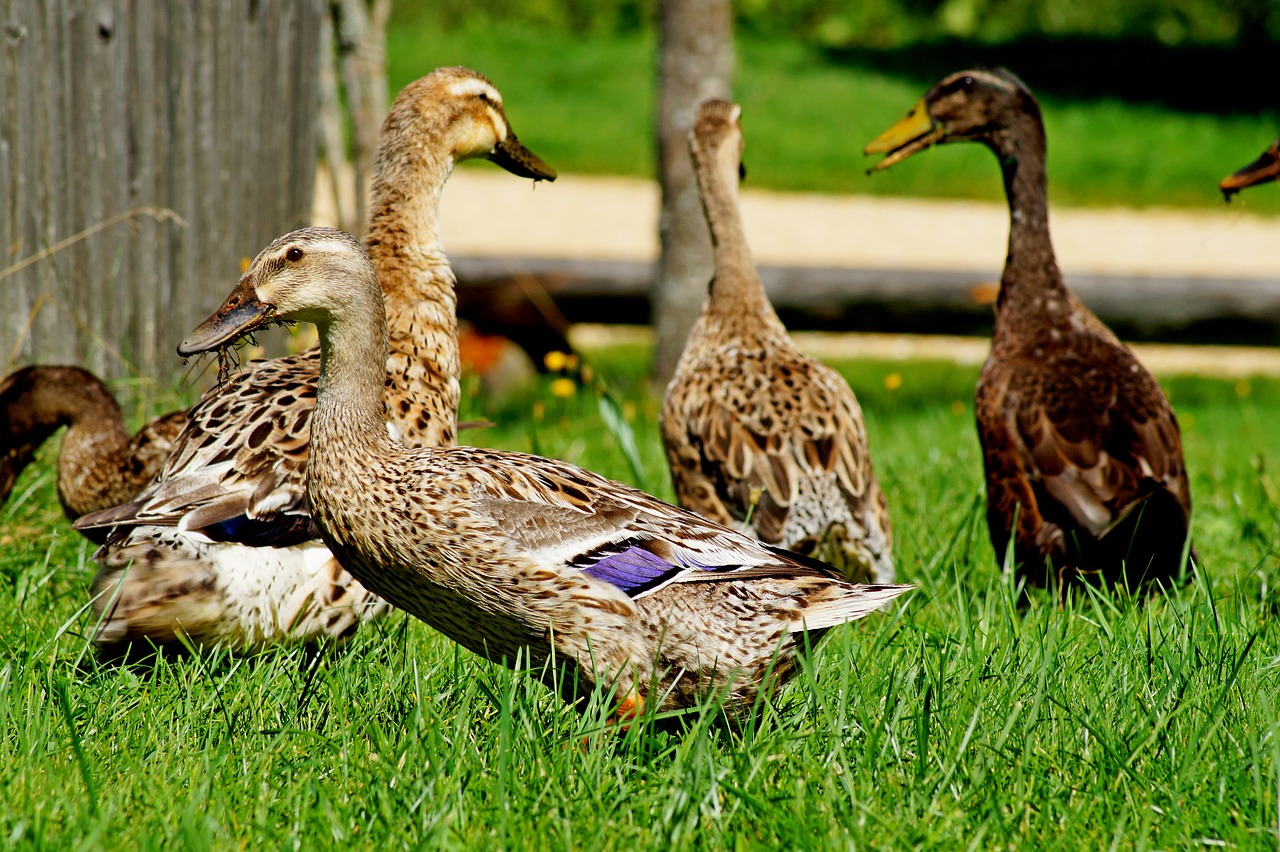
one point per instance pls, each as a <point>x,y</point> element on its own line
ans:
<point>1082,450</point>
<point>99,464</point>
<point>754,430</point>
<point>1262,170</point>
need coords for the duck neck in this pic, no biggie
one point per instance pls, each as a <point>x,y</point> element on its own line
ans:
<point>95,429</point>
<point>418,287</point>
<point>1031,287</point>
<point>349,410</point>
<point>736,288</point>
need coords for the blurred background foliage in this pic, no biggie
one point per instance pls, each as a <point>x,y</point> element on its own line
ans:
<point>1146,103</point>
<point>902,23</point>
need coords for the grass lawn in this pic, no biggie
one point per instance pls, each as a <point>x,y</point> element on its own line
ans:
<point>586,105</point>
<point>957,720</point>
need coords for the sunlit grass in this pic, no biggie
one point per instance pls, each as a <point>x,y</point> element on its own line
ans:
<point>586,104</point>
<point>955,720</point>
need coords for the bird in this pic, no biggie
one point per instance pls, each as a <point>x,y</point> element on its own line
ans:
<point>590,582</point>
<point>1082,452</point>
<point>99,464</point>
<point>221,547</point>
<point>1264,169</point>
<point>756,433</point>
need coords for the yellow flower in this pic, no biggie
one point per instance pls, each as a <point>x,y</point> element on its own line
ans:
<point>629,411</point>
<point>1242,388</point>
<point>563,387</point>
<point>957,407</point>
<point>555,360</point>
<point>539,410</point>
<point>893,381</point>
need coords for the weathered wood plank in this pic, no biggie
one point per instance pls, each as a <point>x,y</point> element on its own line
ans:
<point>205,108</point>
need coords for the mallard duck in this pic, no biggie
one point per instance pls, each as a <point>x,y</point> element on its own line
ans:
<point>221,546</point>
<point>99,464</point>
<point>1262,170</point>
<point>755,431</point>
<point>516,556</point>
<point>1082,450</point>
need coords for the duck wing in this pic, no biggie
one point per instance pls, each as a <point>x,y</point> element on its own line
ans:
<point>1098,434</point>
<point>568,518</point>
<point>238,470</point>
<point>781,422</point>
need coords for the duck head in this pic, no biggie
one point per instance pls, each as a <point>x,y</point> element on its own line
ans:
<point>301,276</point>
<point>464,107</point>
<point>1262,170</point>
<point>716,138</point>
<point>974,105</point>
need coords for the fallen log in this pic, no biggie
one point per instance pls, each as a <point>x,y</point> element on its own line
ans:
<point>534,300</point>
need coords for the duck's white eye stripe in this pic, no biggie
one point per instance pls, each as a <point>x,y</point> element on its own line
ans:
<point>476,88</point>
<point>993,80</point>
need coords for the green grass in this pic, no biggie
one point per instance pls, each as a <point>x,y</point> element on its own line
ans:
<point>586,105</point>
<point>957,720</point>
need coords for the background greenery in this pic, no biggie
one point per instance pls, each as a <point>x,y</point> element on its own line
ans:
<point>956,720</point>
<point>1130,121</point>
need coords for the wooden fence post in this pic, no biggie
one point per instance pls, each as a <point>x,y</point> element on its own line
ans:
<point>146,148</point>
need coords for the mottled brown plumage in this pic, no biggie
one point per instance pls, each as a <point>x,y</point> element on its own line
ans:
<point>516,556</point>
<point>754,430</point>
<point>99,463</point>
<point>1265,169</point>
<point>1082,450</point>
<point>221,546</point>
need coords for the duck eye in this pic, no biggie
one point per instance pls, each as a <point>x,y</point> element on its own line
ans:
<point>293,255</point>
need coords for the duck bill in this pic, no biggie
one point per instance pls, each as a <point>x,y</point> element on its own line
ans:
<point>1261,170</point>
<point>913,133</point>
<point>239,315</point>
<point>519,160</point>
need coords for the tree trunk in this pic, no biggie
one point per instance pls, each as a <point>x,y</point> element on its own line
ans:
<point>695,63</point>
<point>360,27</point>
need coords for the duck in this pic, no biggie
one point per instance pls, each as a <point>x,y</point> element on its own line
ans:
<point>1264,169</point>
<point>220,548</point>
<point>1085,476</point>
<point>99,463</point>
<point>591,583</point>
<point>756,433</point>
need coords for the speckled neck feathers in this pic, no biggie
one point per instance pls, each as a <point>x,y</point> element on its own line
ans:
<point>737,295</point>
<point>404,243</point>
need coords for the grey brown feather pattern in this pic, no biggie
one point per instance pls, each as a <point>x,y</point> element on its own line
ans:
<point>753,428</point>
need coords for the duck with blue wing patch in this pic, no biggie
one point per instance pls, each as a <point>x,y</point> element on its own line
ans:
<point>517,556</point>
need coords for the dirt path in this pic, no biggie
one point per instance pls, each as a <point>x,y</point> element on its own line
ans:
<point>486,212</point>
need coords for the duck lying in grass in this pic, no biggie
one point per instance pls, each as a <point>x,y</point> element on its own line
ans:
<point>753,428</point>
<point>1262,170</point>
<point>99,464</point>
<point>511,554</point>
<point>220,547</point>
<point>1082,450</point>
